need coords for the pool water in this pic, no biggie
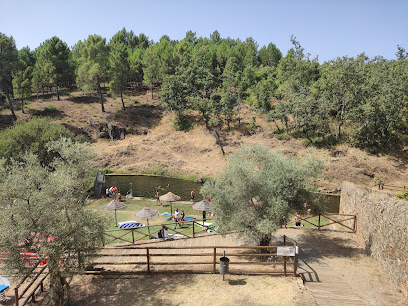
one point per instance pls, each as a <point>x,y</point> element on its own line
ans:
<point>145,186</point>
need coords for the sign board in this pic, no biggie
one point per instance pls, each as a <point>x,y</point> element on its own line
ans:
<point>286,251</point>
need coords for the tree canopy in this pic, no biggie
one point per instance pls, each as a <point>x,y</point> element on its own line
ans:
<point>257,189</point>
<point>43,211</point>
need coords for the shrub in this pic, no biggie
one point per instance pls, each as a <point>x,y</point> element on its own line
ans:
<point>31,136</point>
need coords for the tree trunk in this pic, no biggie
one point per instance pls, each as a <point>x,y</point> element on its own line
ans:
<point>100,97</point>
<point>265,240</point>
<point>218,141</point>
<point>121,96</point>
<point>13,115</point>
<point>152,92</point>
<point>56,287</point>
<point>279,130</point>
<point>58,97</point>
<point>22,105</point>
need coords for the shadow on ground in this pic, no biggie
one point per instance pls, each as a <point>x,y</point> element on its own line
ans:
<point>6,121</point>
<point>329,244</point>
<point>126,290</point>
<point>47,112</point>
<point>84,99</point>
<point>140,116</point>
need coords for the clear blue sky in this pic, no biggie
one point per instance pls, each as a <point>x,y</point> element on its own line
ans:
<point>327,28</point>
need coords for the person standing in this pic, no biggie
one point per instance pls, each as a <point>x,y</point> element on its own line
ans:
<point>192,194</point>
<point>176,217</point>
<point>158,198</point>
<point>298,219</point>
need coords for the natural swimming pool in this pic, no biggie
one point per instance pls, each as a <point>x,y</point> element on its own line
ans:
<point>145,186</point>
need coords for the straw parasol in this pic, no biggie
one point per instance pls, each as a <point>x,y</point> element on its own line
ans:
<point>170,197</point>
<point>203,206</point>
<point>115,205</point>
<point>146,213</point>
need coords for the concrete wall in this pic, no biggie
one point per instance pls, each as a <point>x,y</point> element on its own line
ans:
<point>382,223</point>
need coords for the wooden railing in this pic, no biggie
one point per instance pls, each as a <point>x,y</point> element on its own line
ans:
<point>326,219</point>
<point>40,285</point>
<point>134,235</point>
<point>169,259</point>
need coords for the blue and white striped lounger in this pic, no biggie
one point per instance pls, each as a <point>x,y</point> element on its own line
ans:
<point>130,225</point>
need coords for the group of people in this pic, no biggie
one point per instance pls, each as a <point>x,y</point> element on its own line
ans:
<point>178,217</point>
<point>112,192</point>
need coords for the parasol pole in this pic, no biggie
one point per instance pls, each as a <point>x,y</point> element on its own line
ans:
<point>148,227</point>
<point>116,219</point>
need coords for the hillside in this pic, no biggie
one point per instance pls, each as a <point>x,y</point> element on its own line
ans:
<point>153,145</point>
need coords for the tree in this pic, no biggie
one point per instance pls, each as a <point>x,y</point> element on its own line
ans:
<point>92,61</point>
<point>257,189</point>
<point>31,136</point>
<point>175,98</point>
<point>23,75</point>
<point>43,211</point>
<point>54,54</point>
<point>119,63</point>
<point>8,59</point>
<point>269,56</point>
<point>152,68</point>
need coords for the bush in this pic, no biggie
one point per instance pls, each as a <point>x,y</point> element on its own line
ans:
<point>31,136</point>
<point>283,136</point>
<point>181,123</point>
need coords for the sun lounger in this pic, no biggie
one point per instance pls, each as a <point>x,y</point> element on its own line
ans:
<point>130,225</point>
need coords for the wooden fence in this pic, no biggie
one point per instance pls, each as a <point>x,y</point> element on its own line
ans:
<point>39,286</point>
<point>187,229</point>
<point>199,259</point>
<point>325,220</point>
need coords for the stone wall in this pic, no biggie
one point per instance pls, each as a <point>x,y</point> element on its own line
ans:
<point>382,223</point>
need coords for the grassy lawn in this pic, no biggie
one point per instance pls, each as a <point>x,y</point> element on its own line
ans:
<point>133,206</point>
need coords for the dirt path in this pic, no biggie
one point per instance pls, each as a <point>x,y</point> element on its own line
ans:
<point>339,260</point>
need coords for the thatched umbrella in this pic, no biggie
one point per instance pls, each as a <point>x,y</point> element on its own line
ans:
<point>146,213</point>
<point>170,197</point>
<point>114,205</point>
<point>203,206</point>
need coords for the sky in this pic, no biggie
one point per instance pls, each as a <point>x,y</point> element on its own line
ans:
<point>325,28</point>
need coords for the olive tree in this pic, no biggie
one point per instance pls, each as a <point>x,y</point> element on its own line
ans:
<point>43,211</point>
<point>257,189</point>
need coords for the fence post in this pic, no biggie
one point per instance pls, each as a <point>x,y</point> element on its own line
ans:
<point>295,265</point>
<point>319,222</point>
<point>133,235</point>
<point>215,259</point>
<point>163,228</point>
<point>16,296</point>
<point>284,240</point>
<point>148,260</point>
<point>355,224</point>
<point>193,229</point>
<point>284,265</point>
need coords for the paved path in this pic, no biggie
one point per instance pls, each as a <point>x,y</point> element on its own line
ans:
<point>319,278</point>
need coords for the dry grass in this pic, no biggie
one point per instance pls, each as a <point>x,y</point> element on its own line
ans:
<point>154,144</point>
<point>182,289</point>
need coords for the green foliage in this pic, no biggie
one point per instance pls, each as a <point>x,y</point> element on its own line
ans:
<point>403,195</point>
<point>181,123</point>
<point>31,136</point>
<point>91,57</point>
<point>43,211</point>
<point>8,61</point>
<point>257,189</point>
<point>52,65</point>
